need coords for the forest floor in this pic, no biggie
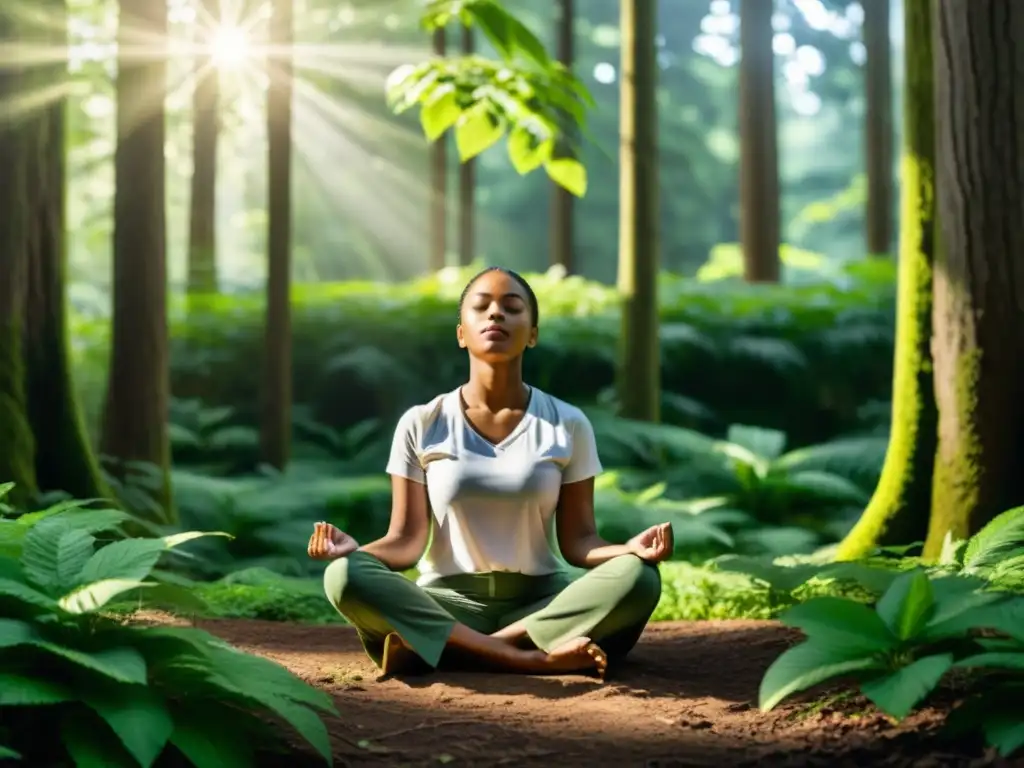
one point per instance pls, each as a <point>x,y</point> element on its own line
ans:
<point>687,697</point>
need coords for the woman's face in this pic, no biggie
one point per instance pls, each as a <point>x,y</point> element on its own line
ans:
<point>496,324</point>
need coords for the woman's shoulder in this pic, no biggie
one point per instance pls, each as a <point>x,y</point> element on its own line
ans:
<point>560,411</point>
<point>418,418</point>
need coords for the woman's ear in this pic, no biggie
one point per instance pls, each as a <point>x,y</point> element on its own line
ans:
<point>533,338</point>
<point>458,335</point>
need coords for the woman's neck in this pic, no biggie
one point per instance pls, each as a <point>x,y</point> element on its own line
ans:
<point>495,387</point>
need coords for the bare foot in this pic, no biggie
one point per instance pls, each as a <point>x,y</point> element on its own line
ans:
<point>578,655</point>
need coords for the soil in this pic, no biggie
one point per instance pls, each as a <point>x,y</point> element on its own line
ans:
<point>687,698</point>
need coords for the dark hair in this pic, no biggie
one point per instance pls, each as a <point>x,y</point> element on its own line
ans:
<point>531,297</point>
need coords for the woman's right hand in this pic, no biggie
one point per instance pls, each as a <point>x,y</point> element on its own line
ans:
<point>330,543</point>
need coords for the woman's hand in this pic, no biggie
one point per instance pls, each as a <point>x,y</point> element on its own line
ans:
<point>330,543</point>
<point>653,545</point>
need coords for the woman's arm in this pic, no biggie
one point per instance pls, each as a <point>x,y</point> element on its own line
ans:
<point>577,528</point>
<point>404,543</point>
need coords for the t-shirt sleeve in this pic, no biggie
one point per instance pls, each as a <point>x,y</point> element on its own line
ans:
<point>584,462</point>
<point>404,460</point>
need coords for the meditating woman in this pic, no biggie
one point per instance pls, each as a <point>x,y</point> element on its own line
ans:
<point>487,474</point>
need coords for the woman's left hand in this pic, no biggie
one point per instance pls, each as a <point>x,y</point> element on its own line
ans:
<point>653,545</point>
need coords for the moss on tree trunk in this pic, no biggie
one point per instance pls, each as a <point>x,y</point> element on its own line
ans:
<point>878,132</point>
<point>639,375</point>
<point>979,278</point>
<point>898,511</point>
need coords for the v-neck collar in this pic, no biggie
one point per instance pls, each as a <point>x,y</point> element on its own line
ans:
<point>516,431</point>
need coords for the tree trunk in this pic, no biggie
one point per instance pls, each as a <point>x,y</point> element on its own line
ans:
<point>439,184</point>
<point>135,412</point>
<point>17,456</point>
<point>759,155</point>
<point>202,234</point>
<point>639,363</point>
<point>898,511</point>
<point>562,202</point>
<point>979,280</point>
<point>275,436</point>
<point>878,133</point>
<point>467,186</point>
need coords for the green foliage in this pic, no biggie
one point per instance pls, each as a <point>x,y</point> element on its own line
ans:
<point>78,684</point>
<point>526,94</point>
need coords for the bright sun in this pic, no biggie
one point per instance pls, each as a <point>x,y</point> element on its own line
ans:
<point>230,46</point>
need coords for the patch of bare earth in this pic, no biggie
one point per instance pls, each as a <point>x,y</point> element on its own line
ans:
<point>687,697</point>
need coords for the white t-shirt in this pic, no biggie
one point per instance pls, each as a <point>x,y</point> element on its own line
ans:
<point>493,504</point>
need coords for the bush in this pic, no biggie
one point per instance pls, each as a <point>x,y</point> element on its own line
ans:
<point>821,355</point>
<point>78,683</point>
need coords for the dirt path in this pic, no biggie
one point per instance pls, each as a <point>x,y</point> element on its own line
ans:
<point>688,698</point>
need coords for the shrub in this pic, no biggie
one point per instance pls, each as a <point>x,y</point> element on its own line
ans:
<point>818,353</point>
<point>78,683</point>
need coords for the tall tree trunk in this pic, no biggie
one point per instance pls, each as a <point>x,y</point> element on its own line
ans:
<point>979,277</point>
<point>439,184</point>
<point>467,185</point>
<point>17,456</point>
<point>562,201</point>
<point>135,412</point>
<point>898,511</point>
<point>202,232</point>
<point>759,154</point>
<point>275,436</point>
<point>64,459</point>
<point>878,133</point>
<point>639,364</point>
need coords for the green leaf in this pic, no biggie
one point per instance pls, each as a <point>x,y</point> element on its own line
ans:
<point>20,691</point>
<point>905,605</point>
<point>989,545</point>
<point>527,151</point>
<point>177,539</point>
<point>203,737</point>
<point>14,632</point>
<point>999,659</point>
<point>305,721</point>
<point>125,665</point>
<point>805,666</point>
<point>27,595</point>
<point>74,548</point>
<point>131,560</point>
<point>845,625</point>
<point>1004,732</point>
<point>6,753</point>
<point>91,744</point>
<point>94,596</point>
<point>137,715</point>
<point>440,112</point>
<point>40,549</point>
<point>5,488</point>
<point>476,131</point>
<point>569,174</point>
<point>495,23</point>
<point>957,602</point>
<point>897,694</point>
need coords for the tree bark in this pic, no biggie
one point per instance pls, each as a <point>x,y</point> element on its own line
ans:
<point>759,155</point>
<point>467,186</point>
<point>979,277</point>
<point>439,184</point>
<point>135,411</point>
<point>898,511</point>
<point>17,457</point>
<point>639,360</point>
<point>878,133</point>
<point>562,201</point>
<point>202,235</point>
<point>275,436</point>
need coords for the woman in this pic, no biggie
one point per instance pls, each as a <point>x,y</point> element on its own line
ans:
<point>486,474</point>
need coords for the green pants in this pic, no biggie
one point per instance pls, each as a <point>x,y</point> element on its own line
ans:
<point>610,604</point>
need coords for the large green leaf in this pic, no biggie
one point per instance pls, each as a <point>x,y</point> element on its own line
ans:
<point>40,549</point>
<point>91,744</point>
<point>991,544</point>
<point>905,606</point>
<point>73,550</point>
<point>1005,731</point>
<point>137,715</point>
<point>125,665</point>
<point>527,151</point>
<point>568,173</point>
<point>267,677</point>
<point>18,690</point>
<point>440,111</point>
<point>94,596</point>
<point>6,753</point>
<point>476,131</point>
<point>305,721</point>
<point>208,739</point>
<point>998,659</point>
<point>27,595</point>
<point>897,694</point>
<point>129,560</point>
<point>805,666</point>
<point>14,632</point>
<point>957,602</point>
<point>849,627</point>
